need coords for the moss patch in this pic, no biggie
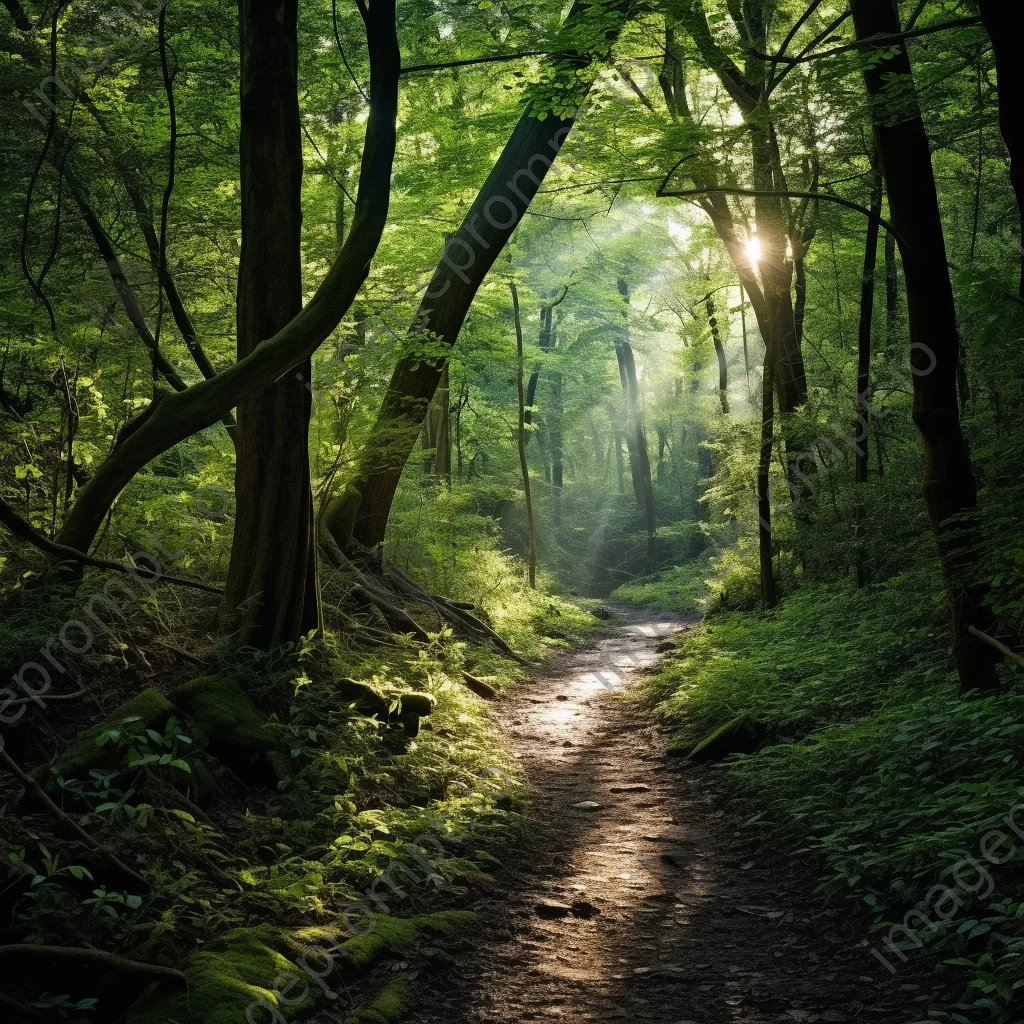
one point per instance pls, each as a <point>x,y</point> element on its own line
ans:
<point>150,709</point>
<point>221,715</point>
<point>392,1004</point>
<point>270,974</point>
<point>223,720</point>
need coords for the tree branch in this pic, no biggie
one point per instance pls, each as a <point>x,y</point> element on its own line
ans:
<point>70,824</point>
<point>694,17</point>
<point>695,193</point>
<point>871,42</point>
<point>95,956</point>
<point>1002,648</point>
<point>26,532</point>
<point>413,69</point>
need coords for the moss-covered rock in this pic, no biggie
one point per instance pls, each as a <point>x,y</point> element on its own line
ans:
<point>149,709</point>
<point>740,735</point>
<point>411,706</point>
<point>421,704</point>
<point>267,975</point>
<point>221,714</point>
<point>391,1005</point>
<point>223,720</point>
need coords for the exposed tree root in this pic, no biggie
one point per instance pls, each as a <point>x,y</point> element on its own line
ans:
<point>454,613</point>
<point>94,956</point>
<point>47,696</point>
<point>370,588</point>
<point>68,822</point>
<point>21,529</point>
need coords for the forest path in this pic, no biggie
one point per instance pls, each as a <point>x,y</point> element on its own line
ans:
<point>650,906</point>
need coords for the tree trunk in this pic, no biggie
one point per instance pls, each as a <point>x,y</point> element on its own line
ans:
<point>949,485</point>
<point>867,308</point>
<point>892,292</point>
<point>468,256</point>
<point>531,398</point>
<point>639,454</point>
<point>626,428</point>
<point>270,596</point>
<point>723,369</point>
<point>523,465</point>
<point>437,441</point>
<point>1001,23</point>
<point>171,418</point>
<point>643,456</point>
<point>769,594</point>
<point>620,469</point>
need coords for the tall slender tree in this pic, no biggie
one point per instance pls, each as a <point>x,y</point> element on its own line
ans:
<point>950,489</point>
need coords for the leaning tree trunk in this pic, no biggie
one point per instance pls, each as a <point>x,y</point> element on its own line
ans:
<point>1000,20</point>
<point>270,596</point>
<point>468,255</point>
<point>949,485</point>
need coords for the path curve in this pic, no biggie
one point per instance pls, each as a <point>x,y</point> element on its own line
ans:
<point>642,900</point>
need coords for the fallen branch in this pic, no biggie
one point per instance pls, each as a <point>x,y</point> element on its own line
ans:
<point>98,957</point>
<point>68,822</point>
<point>19,1009</point>
<point>47,696</point>
<point>20,528</point>
<point>993,642</point>
<point>397,618</point>
<point>194,658</point>
<point>479,687</point>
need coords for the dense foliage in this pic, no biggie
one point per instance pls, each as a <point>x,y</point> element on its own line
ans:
<point>352,353</point>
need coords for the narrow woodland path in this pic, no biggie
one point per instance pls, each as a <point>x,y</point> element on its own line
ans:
<point>645,899</point>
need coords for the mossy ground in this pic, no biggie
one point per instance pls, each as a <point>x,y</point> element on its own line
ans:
<point>281,974</point>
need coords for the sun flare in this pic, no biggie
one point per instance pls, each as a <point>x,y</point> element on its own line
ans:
<point>754,251</point>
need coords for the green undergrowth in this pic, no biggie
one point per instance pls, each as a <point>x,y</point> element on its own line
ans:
<point>278,974</point>
<point>872,764</point>
<point>683,589</point>
<point>351,779</point>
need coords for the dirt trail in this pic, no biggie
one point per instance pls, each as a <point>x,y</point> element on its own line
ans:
<point>655,904</point>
